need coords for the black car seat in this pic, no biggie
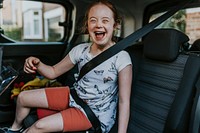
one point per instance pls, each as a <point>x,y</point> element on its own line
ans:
<point>165,85</point>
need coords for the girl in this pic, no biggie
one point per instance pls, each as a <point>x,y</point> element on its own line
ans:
<point>100,88</point>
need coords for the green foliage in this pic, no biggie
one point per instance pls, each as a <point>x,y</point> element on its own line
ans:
<point>177,21</point>
<point>53,35</point>
<point>14,33</point>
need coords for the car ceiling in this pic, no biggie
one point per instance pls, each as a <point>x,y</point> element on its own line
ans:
<point>129,4</point>
<point>131,7</point>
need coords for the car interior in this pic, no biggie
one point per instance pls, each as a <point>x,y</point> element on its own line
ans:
<point>165,93</point>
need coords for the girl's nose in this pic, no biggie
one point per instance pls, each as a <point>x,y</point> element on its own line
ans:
<point>99,24</point>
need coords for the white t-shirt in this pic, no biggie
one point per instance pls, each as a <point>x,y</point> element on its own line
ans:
<point>99,87</point>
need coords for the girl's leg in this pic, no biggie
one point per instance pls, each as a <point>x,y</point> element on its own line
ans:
<point>71,119</point>
<point>27,100</point>
<point>52,123</point>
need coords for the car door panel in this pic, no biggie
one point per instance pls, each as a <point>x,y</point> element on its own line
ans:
<point>15,54</point>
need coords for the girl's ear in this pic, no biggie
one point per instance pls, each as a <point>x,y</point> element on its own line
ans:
<point>117,27</point>
<point>117,23</point>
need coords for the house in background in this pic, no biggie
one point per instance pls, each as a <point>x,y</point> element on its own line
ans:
<point>10,14</point>
<point>193,21</point>
<point>37,21</point>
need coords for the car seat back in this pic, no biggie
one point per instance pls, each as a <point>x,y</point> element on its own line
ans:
<point>163,87</point>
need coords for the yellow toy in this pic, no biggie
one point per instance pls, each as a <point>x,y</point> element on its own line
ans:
<point>38,82</point>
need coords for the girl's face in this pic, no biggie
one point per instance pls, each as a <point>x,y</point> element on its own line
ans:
<point>101,25</point>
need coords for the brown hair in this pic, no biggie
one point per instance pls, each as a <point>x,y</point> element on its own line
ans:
<point>104,2</point>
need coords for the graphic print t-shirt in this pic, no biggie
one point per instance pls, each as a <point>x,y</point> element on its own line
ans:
<point>98,88</point>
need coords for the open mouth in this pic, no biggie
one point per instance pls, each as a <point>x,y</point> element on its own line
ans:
<point>99,34</point>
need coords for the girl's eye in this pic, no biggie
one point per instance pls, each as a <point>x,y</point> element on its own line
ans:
<point>92,20</point>
<point>105,21</point>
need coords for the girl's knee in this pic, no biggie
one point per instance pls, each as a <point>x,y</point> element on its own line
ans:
<point>39,125</point>
<point>21,98</point>
<point>36,127</point>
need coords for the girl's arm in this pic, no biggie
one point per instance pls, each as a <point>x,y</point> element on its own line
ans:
<point>125,82</point>
<point>33,64</point>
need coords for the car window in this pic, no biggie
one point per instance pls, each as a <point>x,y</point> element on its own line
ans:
<point>32,21</point>
<point>186,20</point>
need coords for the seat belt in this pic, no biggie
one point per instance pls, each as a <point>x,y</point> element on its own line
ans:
<point>126,42</point>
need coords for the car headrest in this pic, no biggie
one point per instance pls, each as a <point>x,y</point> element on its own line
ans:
<point>164,44</point>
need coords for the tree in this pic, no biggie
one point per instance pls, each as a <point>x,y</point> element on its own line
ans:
<point>177,21</point>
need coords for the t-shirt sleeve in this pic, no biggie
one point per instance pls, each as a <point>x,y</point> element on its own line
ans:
<point>75,53</point>
<point>123,60</point>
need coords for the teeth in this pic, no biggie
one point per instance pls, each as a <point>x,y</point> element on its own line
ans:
<point>98,32</point>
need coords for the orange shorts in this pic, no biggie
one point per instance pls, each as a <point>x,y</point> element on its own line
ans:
<point>73,118</point>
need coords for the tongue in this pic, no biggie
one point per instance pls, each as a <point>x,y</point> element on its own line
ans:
<point>99,36</point>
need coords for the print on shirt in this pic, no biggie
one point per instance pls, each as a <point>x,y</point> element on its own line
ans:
<point>82,90</point>
<point>84,49</point>
<point>112,68</point>
<point>105,127</point>
<point>105,80</point>
<point>87,58</point>
<point>113,116</point>
<point>80,61</point>
<point>98,107</point>
<point>107,108</point>
<point>99,72</point>
<point>107,93</point>
<point>86,79</point>
<point>97,88</point>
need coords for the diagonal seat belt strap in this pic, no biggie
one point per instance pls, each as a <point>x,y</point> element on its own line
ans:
<point>128,41</point>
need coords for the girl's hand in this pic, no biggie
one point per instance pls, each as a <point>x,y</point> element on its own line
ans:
<point>31,65</point>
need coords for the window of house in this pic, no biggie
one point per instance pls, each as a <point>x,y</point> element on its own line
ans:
<point>33,29</point>
<point>32,21</point>
<point>51,19</point>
